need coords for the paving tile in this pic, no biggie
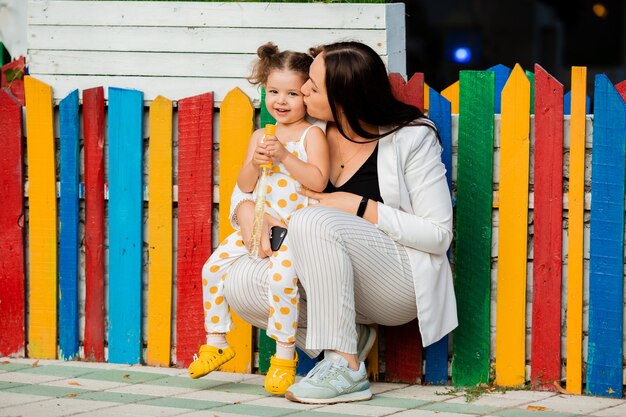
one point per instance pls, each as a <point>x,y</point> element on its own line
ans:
<point>138,410</point>
<point>89,384</point>
<point>519,412</point>
<point>52,408</point>
<point>282,402</point>
<point>9,365</point>
<point>10,384</point>
<point>56,370</point>
<point>244,388</point>
<point>359,409</point>
<point>186,404</point>
<point>156,390</point>
<point>11,398</point>
<point>182,382</point>
<point>225,376</point>
<point>123,375</point>
<point>315,413</point>
<point>424,392</point>
<point>47,390</point>
<point>616,411</point>
<point>114,397</point>
<point>250,410</point>
<point>385,401</point>
<point>458,408</point>
<point>216,395</point>
<point>380,387</point>
<point>578,404</point>
<point>427,413</point>
<point>27,378</point>
<point>159,370</point>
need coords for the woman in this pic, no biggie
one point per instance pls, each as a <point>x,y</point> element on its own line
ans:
<point>373,250</point>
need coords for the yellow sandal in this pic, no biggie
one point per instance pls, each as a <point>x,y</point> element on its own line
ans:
<point>281,375</point>
<point>209,359</point>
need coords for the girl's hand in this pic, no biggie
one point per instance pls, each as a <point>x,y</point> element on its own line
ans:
<point>276,149</point>
<point>245,219</point>
<point>339,200</point>
<point>261,155</point>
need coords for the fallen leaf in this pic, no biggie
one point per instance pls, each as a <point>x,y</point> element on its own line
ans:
<point>537,408</point>
<point>35,363</point>
<point>126,376</point>
<point>611,391</point>
<point>6,362</point>
<point>73,383</point>
<point>71,395</point>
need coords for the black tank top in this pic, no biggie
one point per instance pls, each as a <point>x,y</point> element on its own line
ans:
<point>364,182</point>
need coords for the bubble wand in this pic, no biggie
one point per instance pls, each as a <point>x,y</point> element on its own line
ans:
<point>259,207</point>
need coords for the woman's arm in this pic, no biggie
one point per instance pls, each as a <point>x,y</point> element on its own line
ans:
<point>312,174</point>
<point>429,227</point>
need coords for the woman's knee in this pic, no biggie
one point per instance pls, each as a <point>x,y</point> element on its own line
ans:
<point>312,223</point>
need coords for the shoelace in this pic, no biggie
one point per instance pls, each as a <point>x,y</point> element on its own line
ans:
<point>323,370</point>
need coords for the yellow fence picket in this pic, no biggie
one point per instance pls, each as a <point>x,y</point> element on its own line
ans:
<point>513,230</point>
<point>576,200</point>
<point>236,126</point>
<point>160,233</point>
<point>451,93</point>
<point>42,229</point>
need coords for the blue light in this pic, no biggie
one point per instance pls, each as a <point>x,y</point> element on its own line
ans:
<point>462,55</point>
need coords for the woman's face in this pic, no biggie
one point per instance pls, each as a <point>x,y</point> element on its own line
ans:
<point>314,91</point>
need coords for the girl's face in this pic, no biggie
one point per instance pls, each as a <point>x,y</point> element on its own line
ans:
<point>314,90</point>
<point>283,98</point>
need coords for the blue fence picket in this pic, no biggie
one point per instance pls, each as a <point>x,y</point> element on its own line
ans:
<point>502,73</point>
<point>68,226</point>
<point>606,262</point>
<point>125,123</point>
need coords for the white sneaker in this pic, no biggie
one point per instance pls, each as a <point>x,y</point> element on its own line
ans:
<point>330,382</point>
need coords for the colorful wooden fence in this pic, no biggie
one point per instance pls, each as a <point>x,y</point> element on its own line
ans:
<point>506,152</point>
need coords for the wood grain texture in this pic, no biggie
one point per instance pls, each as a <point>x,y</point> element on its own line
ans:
<point>12,273</point>
<point>160,245</point>
<point>93,126</point>
<point>576,201</point>
<point>68,226</point>
<point>125,157</point>
<point>513,230</point>
<point>547,242</point>
<point>42,230</point>
<point>606,243</point>
<point>236,126</point>
<point>470,363</point>
<point>195,204</point>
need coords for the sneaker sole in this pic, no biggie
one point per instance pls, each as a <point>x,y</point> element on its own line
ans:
<point>345,398</point>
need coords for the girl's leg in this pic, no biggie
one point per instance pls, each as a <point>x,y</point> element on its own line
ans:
<point>216,315</point>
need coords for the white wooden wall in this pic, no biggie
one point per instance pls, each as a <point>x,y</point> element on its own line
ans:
<point>180,49</point>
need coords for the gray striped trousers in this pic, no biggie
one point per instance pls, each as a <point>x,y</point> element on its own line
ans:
<point>349,272</point>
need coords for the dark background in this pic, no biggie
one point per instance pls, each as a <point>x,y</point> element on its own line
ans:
<point>555,34</point>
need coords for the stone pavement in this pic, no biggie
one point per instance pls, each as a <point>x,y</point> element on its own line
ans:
<point>30,388</point>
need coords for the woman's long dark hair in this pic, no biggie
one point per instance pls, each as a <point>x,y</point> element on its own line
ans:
<point>357,84</point>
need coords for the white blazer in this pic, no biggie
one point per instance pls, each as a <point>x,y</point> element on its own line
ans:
<point>416,213</point>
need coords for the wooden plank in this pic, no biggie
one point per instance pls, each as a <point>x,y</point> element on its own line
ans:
<point>576,201</point>
<point>187,39</point>
<point>125,151</point>
<point>513,230</point>
<point>236,126</point>
<point>93,126</point>
<point>12,77</point>
<point>451,93</point>
<point>42,231</point>
<point>470,364</point>
<point>208,14</point>
<point>621,89</point>
<point>531,79</point>
<point>195,188</point>
<point>160,244</point>
<point>440,113</point>
<point>175,88</point>
<point>502,75</point>
<point>5,56</point>
<point>12,276</point>
<point>567,99</point>
<point>68,227</point>
<point>606,242</point>
<point>548,211</point>
<point>403,344</point>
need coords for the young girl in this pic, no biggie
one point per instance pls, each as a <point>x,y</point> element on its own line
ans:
<point>299,153</point>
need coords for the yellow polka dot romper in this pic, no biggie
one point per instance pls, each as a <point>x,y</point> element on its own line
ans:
<point>282,199</point>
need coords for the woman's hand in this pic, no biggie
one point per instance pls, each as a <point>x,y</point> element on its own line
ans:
<point>275,149</point>
<point>339,200</point>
